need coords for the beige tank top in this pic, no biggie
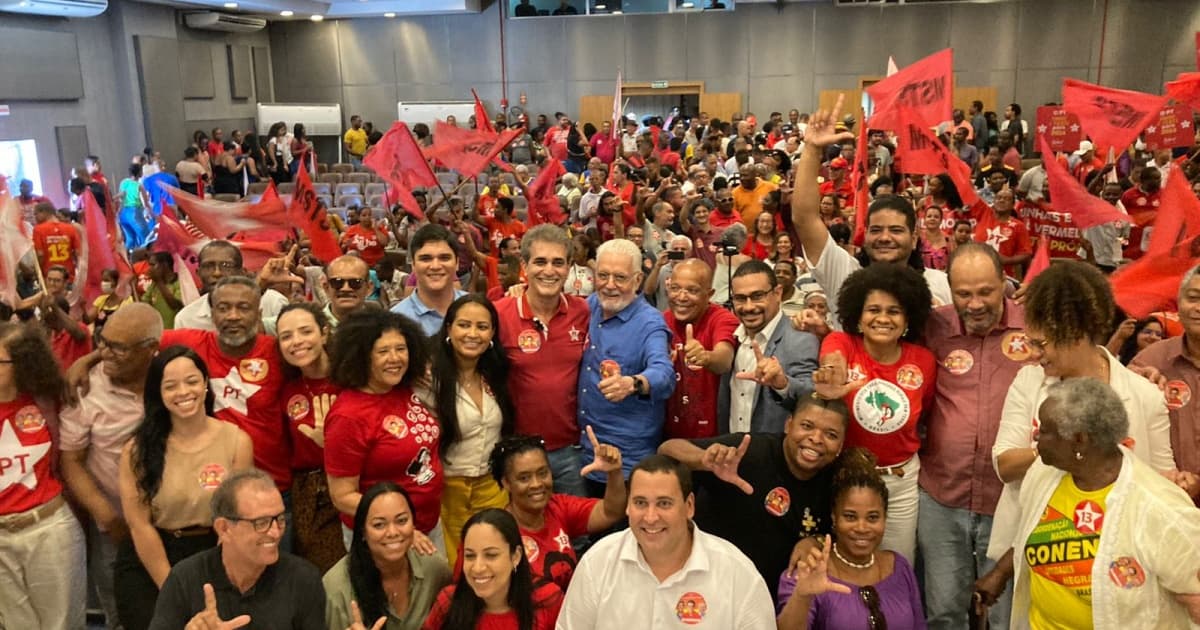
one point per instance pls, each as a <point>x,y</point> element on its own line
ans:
<point>189,479</point>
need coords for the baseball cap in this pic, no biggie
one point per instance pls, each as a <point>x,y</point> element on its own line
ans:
<point>839,162</point>
<point>1084,147</point>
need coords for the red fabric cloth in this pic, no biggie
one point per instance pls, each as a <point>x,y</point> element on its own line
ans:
<point>468,151</point>
<point>246,392</point>
<point>556,142</point>
<point>498,231</point>
<point>1150,283</point>
<point>1009,237</point>
<point>1143,210</point>
<point>297,396</point>
<point>925,86</point>
<point>218,219</point>
<point>68,349</point>
<point>921,152</point>
<point>544,366</point>
<point>307,214</point>
<point>719,220</point>
<point>104,249</point>
<point>543,202</point>
<point>1186,88</point>
<point>604,147</point>
<point>26,452</point>
<point>547,599</point>
<point>692,408</point>
<point>482,122</point>
<point>1112,117</point>
<point>884,411</point>
<point>399,161</point>
<point>1040,261</point>
<point>1178,215</point>
<point>387,437</point>
<point>551,557</point>
<point>1086,209</point>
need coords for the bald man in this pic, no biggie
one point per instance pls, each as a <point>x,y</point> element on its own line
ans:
<point>94,431</point>
<point>702,345</point>
<point>347,283</point>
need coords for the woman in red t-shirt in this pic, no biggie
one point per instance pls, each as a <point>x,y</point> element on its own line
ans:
<point>366,238</point>
<point>494,591</point>
<point>40,540</point>
<point>549,521</point>
<point>379,429</point>
<point>762,243</point>
<point>885,379</point>
<point>303,332</point>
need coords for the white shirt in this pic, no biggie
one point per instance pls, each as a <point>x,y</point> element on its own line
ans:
<point>589,203</point>
<point>613,587</point>
<point>198,314</point>
<point>479,430</point>
<point>742,392</point>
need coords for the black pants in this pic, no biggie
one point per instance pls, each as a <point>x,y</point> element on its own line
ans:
<point>135,591</point>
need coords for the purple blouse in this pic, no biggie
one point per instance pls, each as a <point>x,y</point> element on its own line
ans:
<point>899,601</point>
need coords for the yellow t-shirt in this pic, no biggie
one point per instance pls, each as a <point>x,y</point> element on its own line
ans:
<point>1060,553</point>
<point>357,139</point>
<point>749,203</point>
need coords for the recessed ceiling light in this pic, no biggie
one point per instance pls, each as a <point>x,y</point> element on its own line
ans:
<point>389,14</point>
<point>23,4</point>
<point>617,12</point>
<point>286,13</point>
<point>230,5</point>
<point>600,6</point>
<point>317,18</point>
<point>688,5</point>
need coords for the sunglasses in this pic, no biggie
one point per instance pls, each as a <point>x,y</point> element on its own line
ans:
<point>870,597</point>
<point>338,283</point>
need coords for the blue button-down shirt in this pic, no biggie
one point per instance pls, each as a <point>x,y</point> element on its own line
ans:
<point>636,338</point>
<point>427,318</point>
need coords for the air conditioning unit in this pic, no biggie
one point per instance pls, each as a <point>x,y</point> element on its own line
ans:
<point>58,8</point>
<point>213,21</point>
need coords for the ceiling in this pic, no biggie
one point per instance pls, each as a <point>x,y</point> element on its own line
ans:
<point>306,9</point>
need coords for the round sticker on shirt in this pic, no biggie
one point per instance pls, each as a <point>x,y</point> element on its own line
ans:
<point>910,377</point>
<point>29,419</point>
<point>1127,572</point>
<point>395,426</point>
<point>959,362</point>
<point>1089,517</point>
<point>691,608</point>
<point>297,407</point>
<point>1178,394</point>
<point>529,341</point>
<point>778,501</point>
<point>531,548</point>
<point>253,370</point>
<point>1015,346</point>
<point>881,407</point>
<point>211,476</point>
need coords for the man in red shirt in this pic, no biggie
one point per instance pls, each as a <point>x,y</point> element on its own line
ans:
<point>724,215</point>
<point>603,145</point>
<point>702,344</point>
<point>544,333</point>
<point>696,221</point>
<point>366,238</point>
<point>1141,202</point>
<point>838,184</point>
<point>29,201</point>
<point>556,138</point>
<point>503,225</point>
<point>216,144</point>
<point>1006,234</point>
<point>56,243</point>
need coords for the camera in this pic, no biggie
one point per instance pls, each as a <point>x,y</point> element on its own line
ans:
<point>728,247</point>
<point>674,254</point>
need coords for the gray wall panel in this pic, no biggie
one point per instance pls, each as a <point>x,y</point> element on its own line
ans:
<point>1042,29</point>
<point>30,57</point>
<point>593,51</point>
<point>988,48</point>
<point>162,92</point>
<point>473,40</point>
<point>421,50</point>
<point>241,75</point>
<point>71,143</point>
<point>261,57</point>
<point>376,103</point>
<point>653,48</point>
<point>313,51</point>
<point>365,48</point>
<point>526,44</point>
<point>703,59</point>
<point>196,69</point>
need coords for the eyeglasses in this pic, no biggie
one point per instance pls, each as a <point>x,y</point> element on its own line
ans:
<point>263,525</point>
<point>757,296</point>
<point>338,283</point>
<point>604,277</point>
<point>870,597</point>
<point>223,265</point>
<point>674,289</point>
<point>120,350</point>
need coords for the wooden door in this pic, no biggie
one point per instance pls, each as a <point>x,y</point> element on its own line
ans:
<point>595,109</point>
<point>721,104</point>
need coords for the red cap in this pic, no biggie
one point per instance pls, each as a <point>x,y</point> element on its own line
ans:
<point>839,162</point>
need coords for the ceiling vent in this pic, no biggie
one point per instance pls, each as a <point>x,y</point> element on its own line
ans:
<point>213,21</point>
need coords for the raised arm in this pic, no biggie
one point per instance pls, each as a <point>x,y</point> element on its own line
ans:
<point>806,196</point>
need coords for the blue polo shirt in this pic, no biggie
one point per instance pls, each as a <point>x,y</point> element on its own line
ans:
<point>428,319</point>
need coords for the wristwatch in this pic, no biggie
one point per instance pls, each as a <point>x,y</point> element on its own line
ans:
<point>638,387</point>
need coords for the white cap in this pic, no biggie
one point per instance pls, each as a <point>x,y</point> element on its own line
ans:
<point>1084,147</point>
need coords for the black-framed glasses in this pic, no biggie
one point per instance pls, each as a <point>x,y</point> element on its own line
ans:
<point>223,265</point>
<point>355,283</point>
<point>870,598</point>
<point>263,524</point>
<point>120,349</point>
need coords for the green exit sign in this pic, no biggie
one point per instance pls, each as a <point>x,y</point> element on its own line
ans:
<point>659,85</point>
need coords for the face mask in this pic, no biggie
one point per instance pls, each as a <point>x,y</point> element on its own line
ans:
<point>106,286</point>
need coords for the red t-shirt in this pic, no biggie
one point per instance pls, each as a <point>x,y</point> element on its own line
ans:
<point>607,227</point>
<point>551,557</point>
<point>556,143</point>
<point>298,395</point>
<point>498,231</point>
<point>721,220</point>
<point>485,207</point>
<point>692,408</point>
<point>604,147</point>
<point>547,599</point>
<point>364,241</point>
<point>56,244</point>
<point>885,411</point>
<point>27,478</point>
<point>1009,237</point>
<point>67,349</point>
<point>844,192</point>
<point>1143,209</point>
<point>387,437</point>
<point>246,393</point>
<point>543,369</point>
<point>756,250</point>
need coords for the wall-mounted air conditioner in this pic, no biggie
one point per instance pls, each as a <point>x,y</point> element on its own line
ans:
<point>213,21</point>
<point>59,8</point>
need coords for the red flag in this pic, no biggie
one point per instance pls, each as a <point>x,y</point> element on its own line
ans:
<point>858,181</point>
<point>1112,117</point>
<point>482,122</point>
<point>306,213</point>
<point>615,130</point>
<point>925,86</point>
<point>101,247</point>
<point>543,203</point>
<point>1060,127</point>
<point>1040,261</point>
<point>1198,51</point>
<point>1178,216</point>
<point>1151,282</point>
<point>1185,89</point>
<point>176,238</point>
<point>922,153</point>
<point>219,219</point>
<point>15,242</point>
<point>1172,128</point>
<point>399,161</point>
<point>468,151</point>
<point>1070,196</point>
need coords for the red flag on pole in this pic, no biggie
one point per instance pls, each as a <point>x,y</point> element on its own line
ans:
<point>482,122</point>
<point>543,202</point>
<point>468,151</point>
<point>399,161</point>
<point>218,219</point>
<point>1070,196</point>
<point>1112,117</point>
<point>1040,261</point>
<point>858,181</point>
<point>306,213</point>
<point>1185,89</point>
<point>15,242</point>
<point>1060,128</point>
<point>101,248</point>
<point>925,86</point>
<point>922,153</point>
<point>1151,282</point>
<point>1171,128</point>
<point>1178,216</point>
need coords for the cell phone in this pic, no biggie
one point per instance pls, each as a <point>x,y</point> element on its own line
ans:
<point>674,254</point>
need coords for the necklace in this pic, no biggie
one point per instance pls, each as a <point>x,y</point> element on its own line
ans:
<point>854,565</point>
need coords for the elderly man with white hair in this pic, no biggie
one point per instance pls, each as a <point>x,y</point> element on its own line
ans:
<point>679,248</point>
<point>626,375</point>
<point>569,193</point>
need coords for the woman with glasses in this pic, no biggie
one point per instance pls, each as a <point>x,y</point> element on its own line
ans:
<point>302,332</point>
<point>470,387</point>
<point>176,458</point>
<point>886,379</point>
<point>549,521</point>
<point>850,582</point>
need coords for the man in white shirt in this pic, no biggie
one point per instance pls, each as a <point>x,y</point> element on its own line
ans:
<point>217,260</point>
<point>664,571</point>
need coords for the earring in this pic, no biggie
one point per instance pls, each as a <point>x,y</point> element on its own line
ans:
<point>447,338</point>
<point>1078,456</point>
<point>905,333</point>
<point>492,343</point>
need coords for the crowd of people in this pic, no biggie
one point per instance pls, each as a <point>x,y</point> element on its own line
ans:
<point>697,401</point>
